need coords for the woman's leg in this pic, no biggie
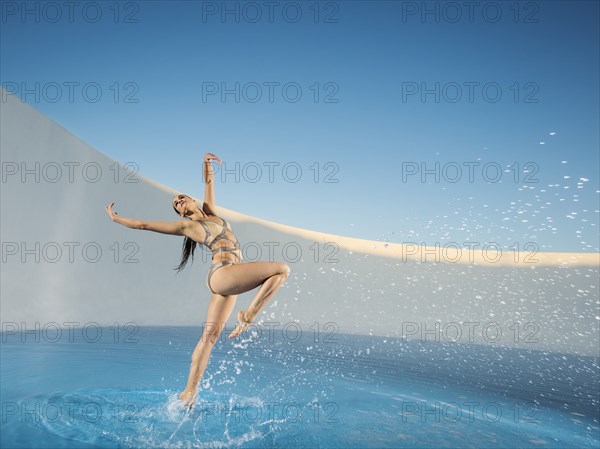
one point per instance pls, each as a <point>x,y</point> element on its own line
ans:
<point>219,311</point>
<point>243,277</point>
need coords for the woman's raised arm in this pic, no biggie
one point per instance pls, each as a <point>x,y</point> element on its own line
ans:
<point>209,188</point>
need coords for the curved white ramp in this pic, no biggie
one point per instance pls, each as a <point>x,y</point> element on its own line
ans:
<point>64,261</point>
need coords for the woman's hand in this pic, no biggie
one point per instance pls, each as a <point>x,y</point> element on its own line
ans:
<point>209,156</point>
<point>111,213</point>
<point>129,222</point>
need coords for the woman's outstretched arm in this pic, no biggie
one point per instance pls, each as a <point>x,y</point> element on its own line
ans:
<point>209,180</point>
<point>164,227</point>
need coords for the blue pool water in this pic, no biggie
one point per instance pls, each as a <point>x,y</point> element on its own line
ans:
<point>276,391</point>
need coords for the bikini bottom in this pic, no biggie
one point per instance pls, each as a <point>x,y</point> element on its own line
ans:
<point>215,266</point>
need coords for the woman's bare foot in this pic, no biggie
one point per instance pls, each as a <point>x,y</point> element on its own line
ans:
<point>188,398</point>
<point>244,320</point>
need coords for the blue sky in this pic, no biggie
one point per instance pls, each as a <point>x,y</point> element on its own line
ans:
<point>523,79</point>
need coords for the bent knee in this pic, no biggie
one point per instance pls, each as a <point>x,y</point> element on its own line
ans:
<point>284,269</point>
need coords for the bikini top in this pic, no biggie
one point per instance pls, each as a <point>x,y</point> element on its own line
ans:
<point>219,230</point>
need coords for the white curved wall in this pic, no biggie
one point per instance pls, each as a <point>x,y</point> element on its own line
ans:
<point>369,289</point>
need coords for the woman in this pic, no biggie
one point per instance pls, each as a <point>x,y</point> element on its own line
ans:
<point>228,275</point>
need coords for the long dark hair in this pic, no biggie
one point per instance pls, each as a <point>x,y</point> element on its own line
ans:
<point>189,246</point>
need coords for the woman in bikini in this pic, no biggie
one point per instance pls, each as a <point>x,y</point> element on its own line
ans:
<point>228,275</point>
